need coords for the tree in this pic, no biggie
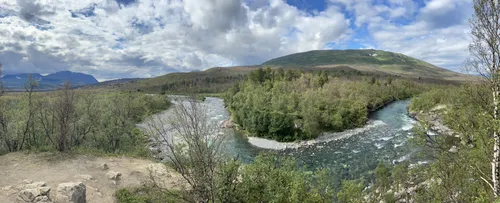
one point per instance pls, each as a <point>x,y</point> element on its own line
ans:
<point>65,114</point>
<point>258,75</point>
<point>485,60</point>
<point>1,82</point>
<point>382,175</point>
<point>323,78</point>
<point>351,191</point>
<point>193,143</point>
<point>29,130</point>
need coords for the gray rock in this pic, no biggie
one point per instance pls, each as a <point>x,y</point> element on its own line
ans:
<point>71,193</point>
<point>7,188</point>
<point>42,199</point>
<point>84,177</point>
<point>29,195</point>
<point>453,149</point>
<point>112,175</point>
<point>227,124</point>
<point>33,185</point>
<point>104,166</point>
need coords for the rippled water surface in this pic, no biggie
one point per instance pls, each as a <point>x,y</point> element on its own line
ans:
<point>385,138</point>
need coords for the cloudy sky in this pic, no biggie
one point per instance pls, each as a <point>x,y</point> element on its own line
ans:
<point>145,38</point>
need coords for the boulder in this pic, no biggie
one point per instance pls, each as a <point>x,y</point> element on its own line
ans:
<point>227,124</point>
<point>453,149</point>
<point>29,195</point>
<point>42,199</point>
<point>104,166</point>
<point>157,169</point>
<point>71,193</point>
<point>112,175</point>
<point>84,177</point>
<point>33,185</point>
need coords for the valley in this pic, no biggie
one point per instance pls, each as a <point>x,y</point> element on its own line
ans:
<point>343,122</point>
<point>249,101</point>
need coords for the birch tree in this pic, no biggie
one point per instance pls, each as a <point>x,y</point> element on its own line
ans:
<point>1,82</point>
<point>485,61</point>
<point>194,149</point>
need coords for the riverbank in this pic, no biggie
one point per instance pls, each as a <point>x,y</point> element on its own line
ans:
<point>326,137</point>
<point>434,119</point>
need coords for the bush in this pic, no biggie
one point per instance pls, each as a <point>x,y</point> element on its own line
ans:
<point>94,121</point>
<point>143,195</point>
<point>291,105</point>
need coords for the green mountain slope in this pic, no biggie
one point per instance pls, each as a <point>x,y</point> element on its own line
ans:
<point>328,57</point>
<point>337,63</point>
<point>367,60</point>
<point>213,80</point>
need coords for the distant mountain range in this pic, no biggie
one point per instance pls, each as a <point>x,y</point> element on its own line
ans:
<point>48,82</point>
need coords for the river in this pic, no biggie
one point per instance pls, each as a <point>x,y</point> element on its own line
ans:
<point>384,138</point>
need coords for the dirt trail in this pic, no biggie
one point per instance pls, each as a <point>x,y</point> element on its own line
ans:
<point>53,169</point>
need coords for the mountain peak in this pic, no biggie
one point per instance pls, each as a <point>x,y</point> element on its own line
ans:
<point>50,81</point>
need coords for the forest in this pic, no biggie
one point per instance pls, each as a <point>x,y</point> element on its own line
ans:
<point>284,105</point>
<point>93,121</point>
<point>296,105</point>
<point>458,172</point>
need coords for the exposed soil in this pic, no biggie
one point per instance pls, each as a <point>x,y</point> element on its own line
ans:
<point>54,168</point>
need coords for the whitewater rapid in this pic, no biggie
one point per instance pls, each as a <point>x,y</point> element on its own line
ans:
<point>356,152</point>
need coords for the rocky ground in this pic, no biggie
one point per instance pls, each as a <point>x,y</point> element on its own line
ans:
<point>433,118</point>
<point>49,177</point>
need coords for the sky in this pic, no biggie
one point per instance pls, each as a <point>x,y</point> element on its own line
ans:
<point>145,38</point>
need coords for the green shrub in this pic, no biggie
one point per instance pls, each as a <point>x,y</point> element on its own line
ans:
<point>99,121</point>
<point>293,105</point>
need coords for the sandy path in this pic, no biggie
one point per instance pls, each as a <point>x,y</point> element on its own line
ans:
<point>57,168</point>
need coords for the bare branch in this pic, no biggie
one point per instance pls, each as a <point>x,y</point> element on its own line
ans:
<point>193,143</point>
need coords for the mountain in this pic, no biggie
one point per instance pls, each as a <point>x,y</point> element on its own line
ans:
<point>213,80</point>
<point>48,82</point>
<point>338,63</point>
<point>113,84</point>
<point>75,79</point>
<point>367,60</point>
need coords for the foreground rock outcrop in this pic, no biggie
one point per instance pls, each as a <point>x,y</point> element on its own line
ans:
<point>48,170</point>
<point>35,195</point>
<point>40,192</point>
<point>71,193</point>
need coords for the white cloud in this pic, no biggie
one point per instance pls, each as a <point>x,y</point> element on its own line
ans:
<point>151,37</point>
<point>436,32</point>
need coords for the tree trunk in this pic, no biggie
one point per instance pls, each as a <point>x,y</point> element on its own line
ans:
<point>495,164</point>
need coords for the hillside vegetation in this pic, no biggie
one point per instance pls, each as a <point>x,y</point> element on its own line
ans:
<point>351,64</point>
<point>367,60</point>
<point>72,120</point>
<point>327,57</point>
<point>292,105</point>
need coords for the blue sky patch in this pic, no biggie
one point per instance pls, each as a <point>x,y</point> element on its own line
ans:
<point>126,2</point>
<point>85,12</point>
